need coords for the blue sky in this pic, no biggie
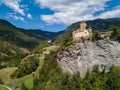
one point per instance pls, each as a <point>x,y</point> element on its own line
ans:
<point>56,15</point>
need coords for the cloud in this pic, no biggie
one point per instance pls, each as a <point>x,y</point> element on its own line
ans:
<point>18,18</point>
<point>69,11</point>
<point>15,17</point>
<point>110,14</point>
<point>15,5</point>
<point>29,16</point>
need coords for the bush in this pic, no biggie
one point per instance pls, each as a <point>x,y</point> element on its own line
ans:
<point>1,82</point>
<point>26,68</point>
<point>94,80</point>
<point>67,41</point>
<point>116,32</point>
<point>96,35</point>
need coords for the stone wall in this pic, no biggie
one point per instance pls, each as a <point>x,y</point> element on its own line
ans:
<point>78,35</point>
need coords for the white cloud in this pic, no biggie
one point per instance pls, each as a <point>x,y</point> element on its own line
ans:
<point>69,11</point>
<point>29,16</point>
<point>12,15</point>
<point>18,18</point>
<point>110,14</point>
<point>15,5</point>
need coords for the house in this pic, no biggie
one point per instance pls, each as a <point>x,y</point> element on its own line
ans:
<point>82,32</point>
<point>105,34</point>
<point>49,41</point>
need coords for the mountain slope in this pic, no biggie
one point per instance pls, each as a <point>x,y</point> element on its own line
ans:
<point>16,42</point>
<point>98,24</point>
<point>43,35</point>
<point>12,34</point>
<point>22,37</point>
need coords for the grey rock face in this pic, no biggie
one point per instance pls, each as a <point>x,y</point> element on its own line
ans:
<point>81,56</point>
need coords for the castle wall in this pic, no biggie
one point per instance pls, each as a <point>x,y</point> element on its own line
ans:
<point>84,33</point>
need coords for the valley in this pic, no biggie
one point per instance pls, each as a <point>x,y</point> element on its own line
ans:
<point>59,44</point>
<point>28,61</point>
<point>28,79</point>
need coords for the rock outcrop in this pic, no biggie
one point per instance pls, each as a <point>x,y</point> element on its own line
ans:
<point>83,55</point>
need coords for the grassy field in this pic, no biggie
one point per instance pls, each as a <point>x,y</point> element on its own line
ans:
<point>5,74</point>
<point>28,79</point>
<point>50,48</point>
<point>29,83</point>
<point>3,88</point>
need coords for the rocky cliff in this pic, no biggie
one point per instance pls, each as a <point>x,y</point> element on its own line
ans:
<point>83,55</point>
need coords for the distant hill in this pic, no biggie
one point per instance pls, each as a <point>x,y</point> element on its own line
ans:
<point>13,35</point>
<point>44,35</point>
<point>15,42</point>
<point>98,24</point>
<point>22,37</point>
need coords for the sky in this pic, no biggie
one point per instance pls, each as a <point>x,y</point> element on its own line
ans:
<point>56,15</point>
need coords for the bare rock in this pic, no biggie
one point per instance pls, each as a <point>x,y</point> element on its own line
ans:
<point>86,55</point>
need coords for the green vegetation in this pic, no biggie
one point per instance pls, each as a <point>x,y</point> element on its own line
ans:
<point>23,87</point>
<point>14,36</point>
<point>29,83</point>
<point>10,55</point>
<point>96,35</point>
<point>26,67</point>
<point>52,78</point>
<point>16,42</point>
<point>28,39</point>
<point>42,35</point>
<point>3,88</point>
<point>49,71</point>
<point>40,48</point>
<point>5,74</point>
<point>67,41</point>
<point>16,83</point>
<point>116,32</point>
<point>1,82</point>
<point>49,75</point>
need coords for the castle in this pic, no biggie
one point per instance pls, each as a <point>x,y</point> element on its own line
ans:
<point>82,32</point>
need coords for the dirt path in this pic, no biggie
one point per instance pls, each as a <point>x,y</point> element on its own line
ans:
<point>6,87</point>
<point>50,48</point>
<point>28,56</point>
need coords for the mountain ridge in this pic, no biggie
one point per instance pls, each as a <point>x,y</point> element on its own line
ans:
<point>97,24</point>
<point>20,36</point>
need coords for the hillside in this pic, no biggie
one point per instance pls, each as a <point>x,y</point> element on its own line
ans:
<point>16,42</point>
<point>22,37</point>
<point>42,35</point>
<point>13,35</point>
<point>94,61</point>
<point>89,63</point>
<point>98,24</point>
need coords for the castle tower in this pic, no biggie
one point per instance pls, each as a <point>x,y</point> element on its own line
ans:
<point>83,26</point>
